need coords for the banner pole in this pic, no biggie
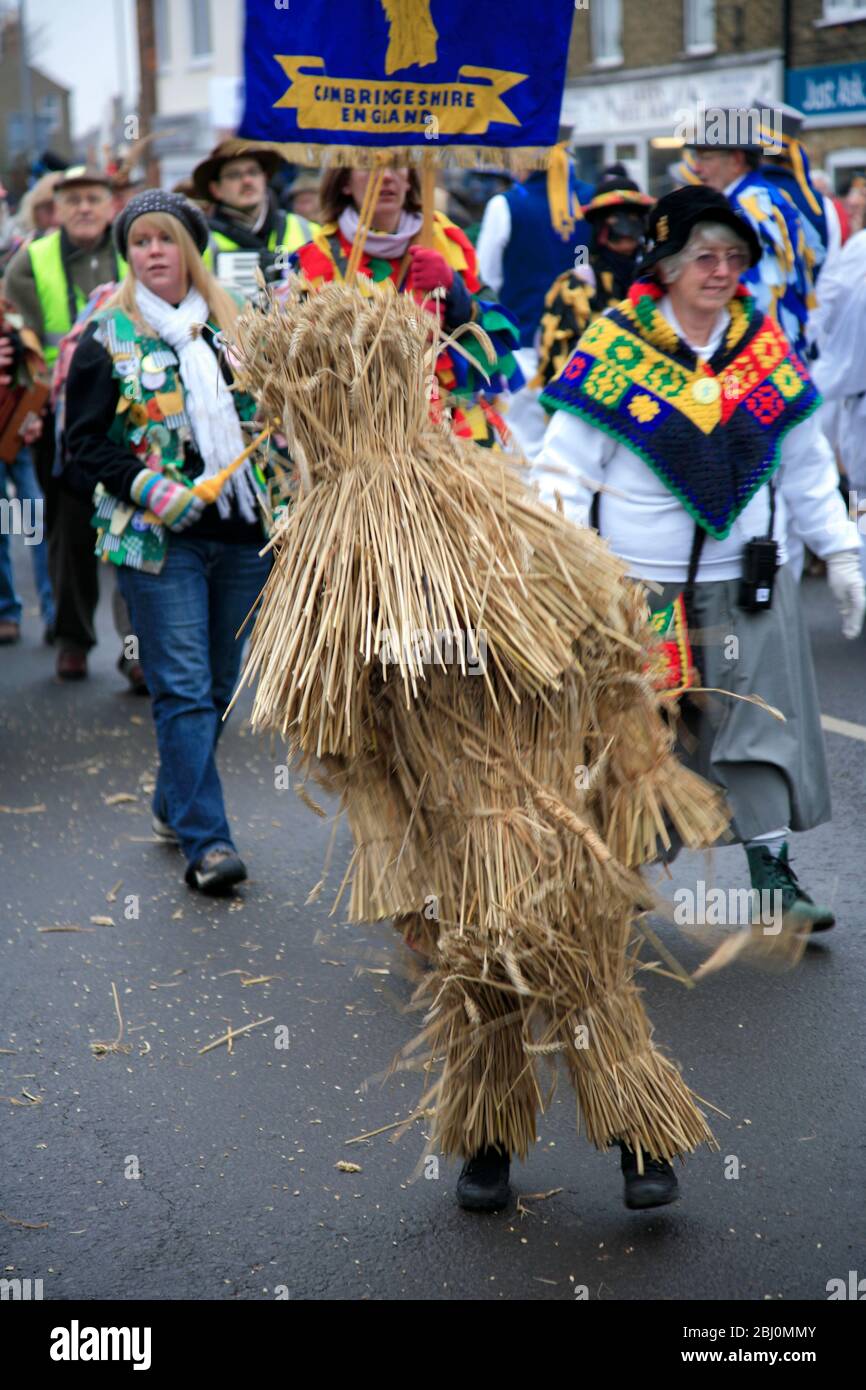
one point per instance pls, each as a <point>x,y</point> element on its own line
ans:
<point>365,220</point>
<point>428,201</point>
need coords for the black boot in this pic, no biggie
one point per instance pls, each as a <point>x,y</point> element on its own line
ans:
<point>770,872</point>
<point>655,1187</point>
<point>483,1182</point>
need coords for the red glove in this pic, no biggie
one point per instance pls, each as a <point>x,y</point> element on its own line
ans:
<point>428,269</point>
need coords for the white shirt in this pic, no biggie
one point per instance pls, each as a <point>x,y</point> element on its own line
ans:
<point>493,237</point>
<point>839,276</point>
<point>840,372</point>
<point>651,530</point>
<point>834,227</point>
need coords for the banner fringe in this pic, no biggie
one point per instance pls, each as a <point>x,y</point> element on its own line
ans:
<point>514,159</point>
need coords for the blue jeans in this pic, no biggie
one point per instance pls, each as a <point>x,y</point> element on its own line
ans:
<point>185,619</point>
<point>23,476</point>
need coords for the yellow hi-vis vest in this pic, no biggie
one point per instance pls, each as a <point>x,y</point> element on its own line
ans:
<point>295,232</point>
<point>49,274</point>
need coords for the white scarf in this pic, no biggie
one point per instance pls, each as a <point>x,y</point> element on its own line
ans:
<point>208,402</point>
<point>388,245</point>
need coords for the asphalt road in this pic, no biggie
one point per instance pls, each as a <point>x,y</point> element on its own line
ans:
<point>238,1195</point>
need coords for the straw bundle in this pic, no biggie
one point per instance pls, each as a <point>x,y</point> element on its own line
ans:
<point>519,799</point>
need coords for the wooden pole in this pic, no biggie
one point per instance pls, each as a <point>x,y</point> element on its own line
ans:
<point>428,201</point>
<point>147,84</point>
<point>365,220</point>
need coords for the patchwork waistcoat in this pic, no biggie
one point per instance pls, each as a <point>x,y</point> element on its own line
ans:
<point>152,423</point>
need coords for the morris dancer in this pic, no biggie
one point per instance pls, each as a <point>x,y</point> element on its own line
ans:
<point>617,213</point>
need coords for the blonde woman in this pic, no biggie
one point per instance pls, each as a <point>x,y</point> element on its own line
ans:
<point>149,412</point>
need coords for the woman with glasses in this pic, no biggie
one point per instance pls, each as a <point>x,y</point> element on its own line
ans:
<point>686,409</point>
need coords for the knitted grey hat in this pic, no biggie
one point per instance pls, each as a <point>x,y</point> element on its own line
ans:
<point>157,200</point>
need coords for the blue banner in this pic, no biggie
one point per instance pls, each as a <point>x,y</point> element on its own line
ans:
<point>383,73</point>
<point>834,89</point>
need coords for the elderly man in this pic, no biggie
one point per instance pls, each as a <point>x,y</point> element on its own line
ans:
<point>247,227</point>
<point>728,158</point>
<point>49,281</point>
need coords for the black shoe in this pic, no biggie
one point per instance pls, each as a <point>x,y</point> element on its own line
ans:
<point>163,831</point>
<point>216,872</point>
<point>72,664</point>
<point>655,1187</point>
<point>134,674</point>
<point>483,1181</point>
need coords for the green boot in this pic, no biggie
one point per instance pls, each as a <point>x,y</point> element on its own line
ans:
<point>771,873</point>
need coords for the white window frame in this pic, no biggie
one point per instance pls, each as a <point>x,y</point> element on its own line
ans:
<point>605,21</point>
<point>162,34</point>
<point>695,44</point>
<point>841,12</point>
<point>200,59</point>
<point>835,161</point>
<point>637,168</point>
<point>51,110</point>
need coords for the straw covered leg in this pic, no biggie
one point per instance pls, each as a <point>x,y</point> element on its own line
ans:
<point>475,814</point>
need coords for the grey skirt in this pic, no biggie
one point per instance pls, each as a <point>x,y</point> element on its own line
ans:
<point>773,774</point>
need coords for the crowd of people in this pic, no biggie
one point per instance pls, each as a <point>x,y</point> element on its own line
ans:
<point>658,362</point>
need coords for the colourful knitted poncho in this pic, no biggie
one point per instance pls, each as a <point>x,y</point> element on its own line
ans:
<point>710,431</point>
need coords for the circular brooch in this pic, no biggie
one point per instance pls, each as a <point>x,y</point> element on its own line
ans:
<point>706,390</point>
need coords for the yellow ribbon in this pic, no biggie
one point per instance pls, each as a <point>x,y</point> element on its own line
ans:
<point>794,151</point>
<point>564,206</point>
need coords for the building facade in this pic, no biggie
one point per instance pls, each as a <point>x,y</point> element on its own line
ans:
<point>50,112</point>
<point>199,79</point>
<point>637,71</point>
<point>826,78</point>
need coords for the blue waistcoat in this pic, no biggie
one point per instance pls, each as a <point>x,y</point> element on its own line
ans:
<point>535,253</point>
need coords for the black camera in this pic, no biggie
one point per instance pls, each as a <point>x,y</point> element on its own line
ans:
<point>760,562</point>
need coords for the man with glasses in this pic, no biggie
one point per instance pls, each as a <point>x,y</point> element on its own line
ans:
<point>248,229</point>
<point>49,281</point>
<point>728,151</point>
